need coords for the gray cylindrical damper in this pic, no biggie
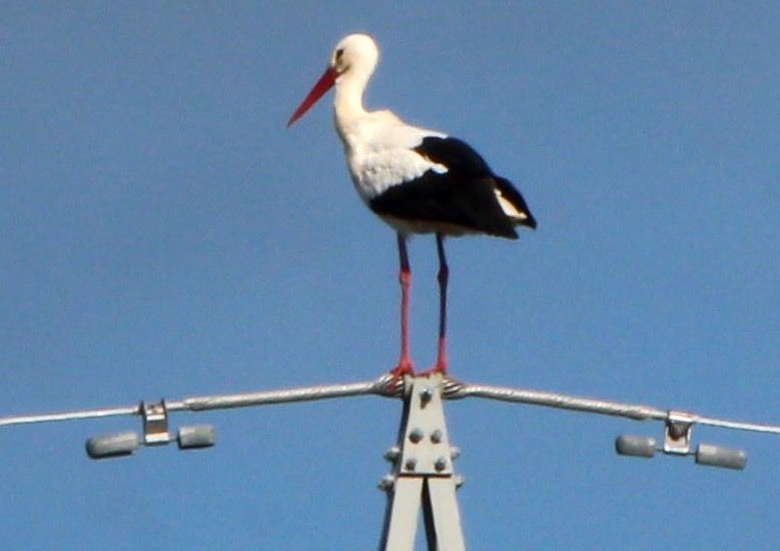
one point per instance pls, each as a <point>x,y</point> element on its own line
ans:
<point>636,446</point>
<point>113,445</point>
<point>201,436</point>
<point>717,456</point>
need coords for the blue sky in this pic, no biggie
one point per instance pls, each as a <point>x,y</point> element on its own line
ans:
<point>162,234</point>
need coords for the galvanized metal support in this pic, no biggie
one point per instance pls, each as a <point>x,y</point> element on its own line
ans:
<point>155,423</point>
<point>422,477</point>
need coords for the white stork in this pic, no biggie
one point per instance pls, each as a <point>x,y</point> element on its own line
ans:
<point>416,180</point>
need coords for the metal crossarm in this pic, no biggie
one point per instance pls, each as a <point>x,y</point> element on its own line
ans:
<point>384,386</point>
<point>422,478</point>
<point>637,412</point>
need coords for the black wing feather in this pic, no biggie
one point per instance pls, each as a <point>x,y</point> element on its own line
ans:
<point>463,196</point>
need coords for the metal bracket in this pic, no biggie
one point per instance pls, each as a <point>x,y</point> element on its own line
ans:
<point>425,450</point>
<point>677,436</point>
<point>155,418</point>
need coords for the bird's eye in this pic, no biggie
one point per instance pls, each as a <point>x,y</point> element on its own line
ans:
<point>339,54</point>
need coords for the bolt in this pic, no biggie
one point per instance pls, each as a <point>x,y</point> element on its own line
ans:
<point>393,454</point>
<point>454,453</point>
<point>415,435</point>
<point>410,464</point>
<point>678,430</point>
<point>437,436</point>
<point>387,483</point>
<point>425,396</point>
<point>440,464</point>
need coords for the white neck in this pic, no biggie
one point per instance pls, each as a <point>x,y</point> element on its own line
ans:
<point>348,101</point>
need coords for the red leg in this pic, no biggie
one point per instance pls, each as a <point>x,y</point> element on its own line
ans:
<point>443,278</point>
<point>405,278</point>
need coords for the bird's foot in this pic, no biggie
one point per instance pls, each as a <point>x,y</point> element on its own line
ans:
<point>404,367</point>
<point>439,369</point>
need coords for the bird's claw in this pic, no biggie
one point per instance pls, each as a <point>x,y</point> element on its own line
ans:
<point>439,369</point>
<point>404,367</point>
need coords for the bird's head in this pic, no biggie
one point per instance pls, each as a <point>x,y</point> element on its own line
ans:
<point>353,61</point>
<point>354,53</point>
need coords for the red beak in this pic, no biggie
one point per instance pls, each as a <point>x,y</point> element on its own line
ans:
<point>325,83</point>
